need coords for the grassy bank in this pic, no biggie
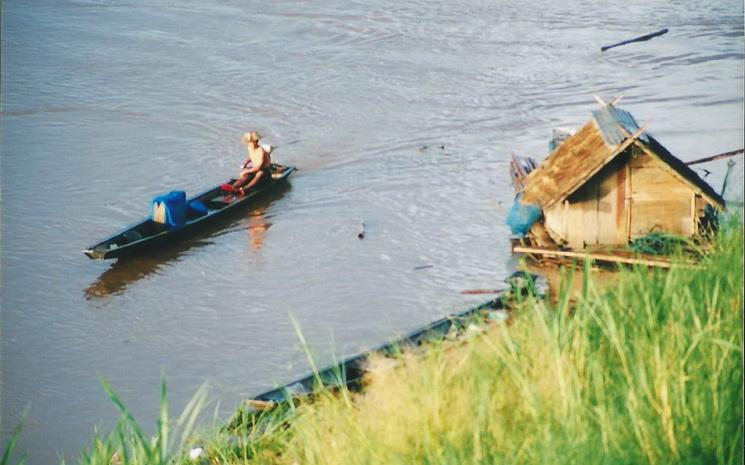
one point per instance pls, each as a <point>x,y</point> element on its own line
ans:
<point>648,372</point>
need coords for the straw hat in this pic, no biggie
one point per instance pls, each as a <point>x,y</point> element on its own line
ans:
<point>252,136</point>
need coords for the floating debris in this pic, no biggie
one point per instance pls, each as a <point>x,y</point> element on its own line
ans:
<point>637,39</point>
<point>425,147</point>
<point>481,291</point>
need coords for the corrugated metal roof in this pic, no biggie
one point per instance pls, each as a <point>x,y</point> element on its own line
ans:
<point>613,121</point>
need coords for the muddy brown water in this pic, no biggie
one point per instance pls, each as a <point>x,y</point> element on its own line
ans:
<point>107,104</point>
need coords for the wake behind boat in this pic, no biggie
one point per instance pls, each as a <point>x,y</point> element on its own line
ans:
<point>164,225</point>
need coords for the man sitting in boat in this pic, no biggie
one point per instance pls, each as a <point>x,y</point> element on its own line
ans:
<point>256,168</point>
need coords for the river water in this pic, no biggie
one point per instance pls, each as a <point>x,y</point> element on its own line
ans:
<point>106,104</point>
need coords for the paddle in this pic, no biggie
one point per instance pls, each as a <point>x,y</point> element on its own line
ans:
<point>637,39</point>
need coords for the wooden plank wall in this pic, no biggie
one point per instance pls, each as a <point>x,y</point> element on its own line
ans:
<point>555,224</point>
<point>629,198</point>
<point>611,209</point>
<point>659,201</point>
<point>596,213</point>
<point>582,215</point>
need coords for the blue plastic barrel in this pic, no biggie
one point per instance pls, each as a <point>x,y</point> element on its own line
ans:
<point>174,204</point>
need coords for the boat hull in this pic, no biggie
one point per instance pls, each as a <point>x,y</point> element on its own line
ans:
<point>350,371</point>
<point>146,234</point>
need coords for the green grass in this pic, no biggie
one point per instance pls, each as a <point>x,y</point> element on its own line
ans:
<point>647,373</point>
<point>11,445</point>
<point>129,445</point>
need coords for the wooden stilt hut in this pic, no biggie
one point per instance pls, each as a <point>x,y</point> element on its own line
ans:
<point>612,182</point>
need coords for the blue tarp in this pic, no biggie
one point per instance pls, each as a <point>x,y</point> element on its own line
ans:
<point>173,205</point>
<point>522,216</point>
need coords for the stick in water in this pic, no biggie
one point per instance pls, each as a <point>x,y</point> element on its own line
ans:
<point>481,291</point>
<point>638,39</point>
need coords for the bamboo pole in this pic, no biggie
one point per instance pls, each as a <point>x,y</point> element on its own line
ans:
<point>596,256</point>
<point>717,157</point>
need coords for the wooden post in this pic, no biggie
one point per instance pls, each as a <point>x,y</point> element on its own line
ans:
<point>628,203</point>
<point>693,215</point>
<point>565,220</point>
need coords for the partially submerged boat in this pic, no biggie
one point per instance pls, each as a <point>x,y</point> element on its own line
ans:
<point>170,225</point>
<point>349,372</point>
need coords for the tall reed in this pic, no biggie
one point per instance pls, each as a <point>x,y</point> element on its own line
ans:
<point>649,372</point>
<point>10,445</point>
<point>128,444</point>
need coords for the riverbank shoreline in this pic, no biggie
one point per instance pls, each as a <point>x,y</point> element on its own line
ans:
<point>647,372</point>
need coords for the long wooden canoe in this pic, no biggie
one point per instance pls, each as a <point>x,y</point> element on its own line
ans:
<point>147,233</point>
<point>350,371</point>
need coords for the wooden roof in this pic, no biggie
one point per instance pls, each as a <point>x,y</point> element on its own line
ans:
<point>595,145</point>
<point>568,167</point>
